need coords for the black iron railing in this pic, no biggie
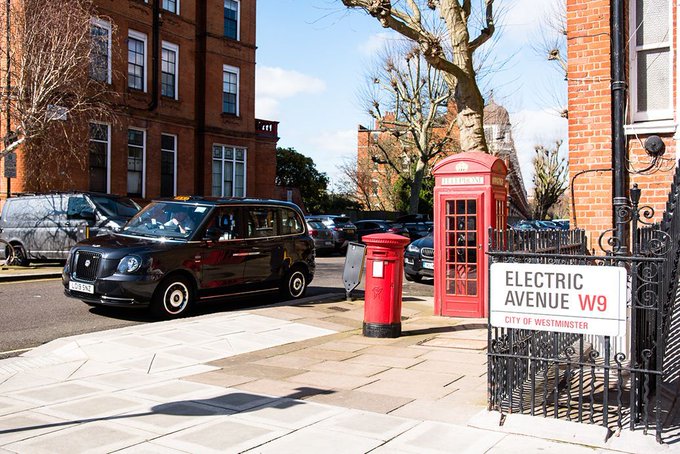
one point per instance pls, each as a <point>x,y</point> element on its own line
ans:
<point>577,377</point>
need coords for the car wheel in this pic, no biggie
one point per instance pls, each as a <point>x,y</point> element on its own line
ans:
<point>172,298</point>
<point>294,285</point>
<point>413,277</point>
<point>18,256</point>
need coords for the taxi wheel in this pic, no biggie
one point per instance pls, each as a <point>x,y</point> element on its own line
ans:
<point>294,285</point>
<point>172,297</point>
<point>413,277</point>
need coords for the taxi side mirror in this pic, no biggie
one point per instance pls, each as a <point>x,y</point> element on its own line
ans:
<point>213,233</point>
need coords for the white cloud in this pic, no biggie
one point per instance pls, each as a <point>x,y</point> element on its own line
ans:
<point>331,149</point>
<point>279,83</point>
<point>266,107</point>
<point>376,42</point>
<point>521,19</point>
<point>536,127</point>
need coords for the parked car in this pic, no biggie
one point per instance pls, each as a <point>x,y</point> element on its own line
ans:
<point>176,253</point>
<point>46,226</point>
<point>322,235</point>
<point>418,225</point>
<point>369,227</point>
<point>563,224</point>
<point>342,228</point>
<point>419,259</point>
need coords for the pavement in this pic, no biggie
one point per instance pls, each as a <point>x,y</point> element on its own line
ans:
<point>292,377</point>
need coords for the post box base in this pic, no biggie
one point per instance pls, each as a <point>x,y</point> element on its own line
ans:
<point>387,330</point>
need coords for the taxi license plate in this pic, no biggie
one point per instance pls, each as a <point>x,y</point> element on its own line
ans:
<point>328,243</point>
<point>428,265</point>
<point>81,287</point>
<point>350,231</point>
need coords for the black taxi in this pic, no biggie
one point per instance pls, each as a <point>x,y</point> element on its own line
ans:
<point>175,253</point>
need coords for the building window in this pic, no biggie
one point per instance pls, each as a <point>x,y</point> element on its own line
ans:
<point>135,166</point>
<point>231,16</point>
<point>651,60</point>
<point>100,64</point>
<point>136,60</point>
<point>99,157</point>
<point>230,76</point>
<point>228,171</point>
<point>168,165</point>
<point>171,5</point>
<point>169,54</point>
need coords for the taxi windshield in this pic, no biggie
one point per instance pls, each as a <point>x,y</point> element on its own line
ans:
<point>167,220</point>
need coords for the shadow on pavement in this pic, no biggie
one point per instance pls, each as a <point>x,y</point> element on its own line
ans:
<point>227,404</point>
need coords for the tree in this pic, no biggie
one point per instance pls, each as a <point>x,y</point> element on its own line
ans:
<point>442,30</point>
<point>295,170</point>
<point>551,43</point>
<point>408,100</point>
<point>52,95</point>
<point>550,179</point>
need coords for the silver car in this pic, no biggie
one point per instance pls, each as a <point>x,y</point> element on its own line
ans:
<point>322,235</point>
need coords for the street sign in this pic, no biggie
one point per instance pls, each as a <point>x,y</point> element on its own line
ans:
<point>564,298</point>
<point>10,164</point>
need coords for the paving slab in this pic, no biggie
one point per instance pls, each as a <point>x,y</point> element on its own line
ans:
<point>290,414</point>
<point>225,435</point>
<point>446,438</point>
<point>330,380</point>
<point>27,425</point>
<point>96,437</point>
<point>410,390</point>
<point>374,402</point>
<point>440,410</point>
<point>313,440</point>
<point>347,368</point>
<point>386,361</point>
<point>368,424</point>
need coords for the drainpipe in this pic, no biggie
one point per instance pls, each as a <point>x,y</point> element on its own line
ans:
<point>155,52</point>
<point>620,202</point>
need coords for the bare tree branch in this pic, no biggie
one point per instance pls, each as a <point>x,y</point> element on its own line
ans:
<point>53,97</point>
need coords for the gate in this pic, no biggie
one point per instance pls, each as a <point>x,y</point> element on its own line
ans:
<point>611,381</point>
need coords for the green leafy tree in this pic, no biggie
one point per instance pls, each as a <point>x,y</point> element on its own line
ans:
<point>296,170</point>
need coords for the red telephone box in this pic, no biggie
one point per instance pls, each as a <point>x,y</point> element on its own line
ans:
<point>470,195</point>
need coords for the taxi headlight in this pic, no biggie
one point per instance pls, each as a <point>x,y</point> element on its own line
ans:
<point>129,264</point>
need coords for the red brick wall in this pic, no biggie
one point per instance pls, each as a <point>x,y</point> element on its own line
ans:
<point>589,72</point>
<point>179,117</point>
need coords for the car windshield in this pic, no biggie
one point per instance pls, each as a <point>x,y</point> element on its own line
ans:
<point>167,220</point>
<point>115,206</point>
<point>316,225</point>
<point>340,220</point>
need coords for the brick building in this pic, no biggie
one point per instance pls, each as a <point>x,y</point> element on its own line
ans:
<point>187,126</point>
<point>376,178</point>
<point>651,108</point>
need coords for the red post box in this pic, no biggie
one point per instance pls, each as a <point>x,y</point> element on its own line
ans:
<point>384,277</point>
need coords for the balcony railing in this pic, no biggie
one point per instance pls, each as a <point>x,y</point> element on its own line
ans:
<point>266,128</point>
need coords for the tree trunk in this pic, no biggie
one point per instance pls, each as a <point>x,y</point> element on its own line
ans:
<point>416,186</point>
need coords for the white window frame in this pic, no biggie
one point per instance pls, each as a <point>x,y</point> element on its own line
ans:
<point>141,37</point>
<point>127,144</point>
<point>107,26</point>
<point>237,71</point>
<point>108,153</point>
<point>176,7</point>
<point>238,20</point>
<point>173,48</point>
<point>660,118</point>
<point>174,172</point>
<point>245,167</point>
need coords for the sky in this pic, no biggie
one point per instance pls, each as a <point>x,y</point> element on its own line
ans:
<point>312,61</point>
